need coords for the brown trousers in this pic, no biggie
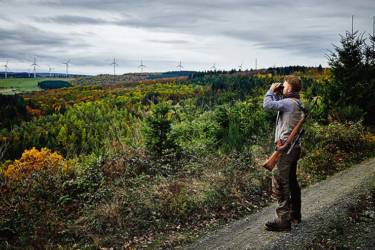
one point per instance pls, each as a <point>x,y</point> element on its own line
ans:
<point>285,187</point>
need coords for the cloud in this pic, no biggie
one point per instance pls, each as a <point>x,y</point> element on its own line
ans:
<point>297,42</point>
<point>24,41</point>
<point>170,41</point>
<point>29,35</point>
<point>197,31</point>
<point>71,19</point>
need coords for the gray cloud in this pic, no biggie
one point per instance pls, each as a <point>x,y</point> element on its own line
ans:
<point>196,30</point>
<point>29,35</point>
<point>151,6</point>
<point>296,42</point>
<point>171,41</point>
<point>71,19</point>
<point>26,40</point>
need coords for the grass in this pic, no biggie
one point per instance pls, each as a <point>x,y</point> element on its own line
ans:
<point>19,85</point>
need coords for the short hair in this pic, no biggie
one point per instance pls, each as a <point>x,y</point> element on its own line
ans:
<point>294,81</point>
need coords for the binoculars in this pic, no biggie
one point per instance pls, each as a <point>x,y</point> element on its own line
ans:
<point>279,88</point>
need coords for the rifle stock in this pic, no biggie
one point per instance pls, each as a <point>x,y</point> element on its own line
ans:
<point>271,162</point>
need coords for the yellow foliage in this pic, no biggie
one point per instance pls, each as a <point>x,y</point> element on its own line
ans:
<point>35,160</point>
<point>369,137</point>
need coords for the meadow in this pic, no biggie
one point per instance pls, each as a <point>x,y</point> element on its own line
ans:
<point>20,85</point>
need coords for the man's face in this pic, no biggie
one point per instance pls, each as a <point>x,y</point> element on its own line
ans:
<point>287,88</point>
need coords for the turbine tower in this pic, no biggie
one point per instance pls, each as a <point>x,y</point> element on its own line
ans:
<point>180,66</point>
<point>141,66</point>
<point>240,67</point>
<point>67,67</point>
<point>114,63</point>
<point>34,65</point>
<point>6,69</point>
<point>352,24</point>
<point>50,70</point>
<point>213,67</point>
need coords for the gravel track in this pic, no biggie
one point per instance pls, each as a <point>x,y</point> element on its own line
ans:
<point>322,204</point>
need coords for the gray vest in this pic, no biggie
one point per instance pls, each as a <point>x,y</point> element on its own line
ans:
<point>286,121</point>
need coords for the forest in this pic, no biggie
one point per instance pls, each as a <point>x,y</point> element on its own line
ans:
<point>157,163</point>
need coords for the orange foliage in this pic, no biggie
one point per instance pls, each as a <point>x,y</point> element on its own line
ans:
<point>34,160</point>
<point>33,112</point>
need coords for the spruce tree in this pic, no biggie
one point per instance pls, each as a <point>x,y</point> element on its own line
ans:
<point>349,95</point>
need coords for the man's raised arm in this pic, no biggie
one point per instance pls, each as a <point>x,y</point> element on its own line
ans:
<point>273,102</point>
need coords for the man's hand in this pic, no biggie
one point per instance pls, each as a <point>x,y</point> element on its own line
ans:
<point>276,87</point>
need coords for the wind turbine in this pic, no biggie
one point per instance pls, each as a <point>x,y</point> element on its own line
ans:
<point>50,70</point>
<point>67,67</point>
<point>213,67</point>
<point>114,63</point>
<point>141,66</point>
<point>6,69</point>
<point>240,67</point>
<point>180,66</point>
<point>34,65</point>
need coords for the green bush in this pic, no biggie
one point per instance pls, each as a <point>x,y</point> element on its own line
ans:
<point>159,141</point>
<point>350,113</point>
<point>197,135</point>
<point>38,208</point>
<point>226,128</point>
<point>53,84</point>
<point>44,208</point>
<point>329,149</point>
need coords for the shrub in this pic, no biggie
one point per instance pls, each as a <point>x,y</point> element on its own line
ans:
<point>197,135</point>
<point>53,84</point>
<point>160,143</point>
<point>350,113</point>
<point>34,160</point>
<point>226,128</point>
<point>329,149</point>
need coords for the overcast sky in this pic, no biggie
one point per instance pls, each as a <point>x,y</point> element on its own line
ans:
<point>197,32</point>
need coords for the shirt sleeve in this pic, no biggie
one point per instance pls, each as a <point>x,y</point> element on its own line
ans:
<point>273,102</point>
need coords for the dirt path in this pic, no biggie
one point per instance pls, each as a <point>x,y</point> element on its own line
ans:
<point>321,205</point>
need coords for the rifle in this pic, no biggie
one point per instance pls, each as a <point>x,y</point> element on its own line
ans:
<point>293,139</point>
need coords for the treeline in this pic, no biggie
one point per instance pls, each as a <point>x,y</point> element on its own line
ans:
<point>287,70</point>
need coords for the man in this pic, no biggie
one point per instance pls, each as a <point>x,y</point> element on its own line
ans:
<point>285,187</point>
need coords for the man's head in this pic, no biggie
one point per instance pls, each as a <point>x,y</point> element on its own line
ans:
<point>291,84</point>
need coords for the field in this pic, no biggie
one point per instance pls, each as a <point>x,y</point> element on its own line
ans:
<point>20,85</point>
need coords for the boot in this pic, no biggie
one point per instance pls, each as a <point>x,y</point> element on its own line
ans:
<point>276,225</point>
<point>295,219</point>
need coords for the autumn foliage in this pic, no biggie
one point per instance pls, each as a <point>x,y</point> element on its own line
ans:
<point>33,160</point>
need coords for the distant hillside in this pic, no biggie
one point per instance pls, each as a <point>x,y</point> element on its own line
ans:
<point>104,79</point>
<point>38,75</point>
